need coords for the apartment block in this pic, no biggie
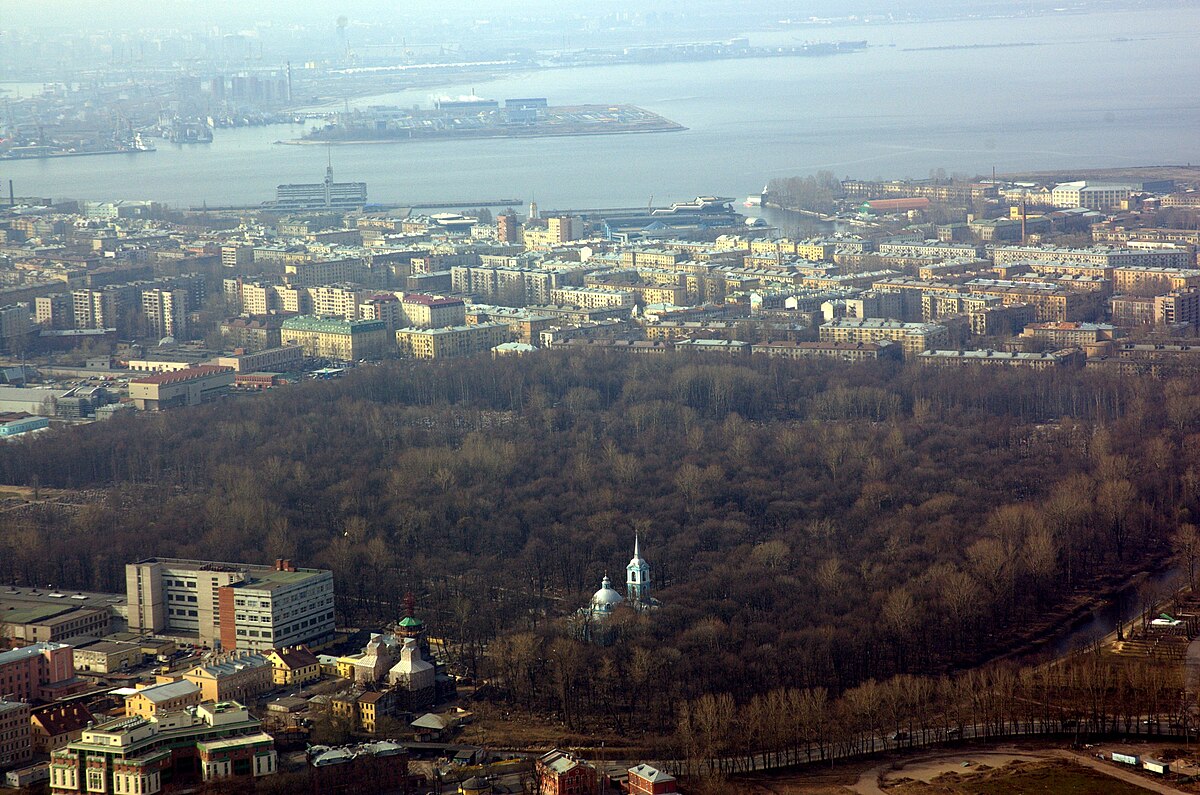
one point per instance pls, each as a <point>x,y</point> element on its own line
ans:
<point>166,312</point>
<point>1133,310</point>
<point>509,286</point>
<point>1065,335</point>
<point>934,249</point>
<point>592,297</point>
<point>1050,302</point>
<point>427,311</point>
<point>16,734</point>
<point>842,351</point>
<point>1146,280</point>
<point>990,358</point>
<point>385,307</point>
<point>311,273</point>
<point>55,311</point>
<point>252,333</point>
<point>1097,255</point>
<point>1178,307</point>
<point>912,337</point>
<point>452,342</point>
<point>336,339</point>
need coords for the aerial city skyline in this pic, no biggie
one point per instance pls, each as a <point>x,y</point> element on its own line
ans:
<point>530,398</point>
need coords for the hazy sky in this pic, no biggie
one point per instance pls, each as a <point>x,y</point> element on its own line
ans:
<point>127,14</point>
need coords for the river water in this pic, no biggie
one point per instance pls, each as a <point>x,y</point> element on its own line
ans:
<point>1080,90</point>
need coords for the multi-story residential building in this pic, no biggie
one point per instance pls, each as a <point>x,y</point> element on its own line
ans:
<point>562,773</point>
<point>912,337</point>
<point>990,321</point>
<point>385,307</point>
<point>162,698</point>
<point>311,273</point>
<point>1178,307</point>
<point>240,676</point>
<point>651,258</point>
<point>844,351</point>
<point>556,231</point>
<point>338,301</point>
<point>252,298</point>
<point>1068,281</point>
<point>935,249</point>
<point>336,339</point>
<point>41,671</point>
<point>1050,302</point>
<point>234,255</point>
<point>1064,335</point>
<point>428,311</point>
<point>55,311</point>
<point>190,386</point>
<point>509,286</point>
<point>143,755</point>
<point>1144,280</point>
<point>1097,255</point>
<point>1128,235</point>
<point>97,308</point>
<point>508,228</point>
<point>1133,310</point>
<point>990,358</point>
<point>646,294</point>
<point>292,300</point>
<point>592,297</point>
<point>252,333</point>
<point>939,305</point>
<point>166,311</point>
<point>231,605</point>
<point>16,734</point>
<point>455,341</point>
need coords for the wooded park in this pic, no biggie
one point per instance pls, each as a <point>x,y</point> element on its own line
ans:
<point>810,525</point>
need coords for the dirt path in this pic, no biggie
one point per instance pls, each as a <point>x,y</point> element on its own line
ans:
<point>1127,776</point>
<point>926,768</point>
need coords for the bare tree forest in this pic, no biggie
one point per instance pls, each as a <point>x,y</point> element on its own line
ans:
<point>811,526</point>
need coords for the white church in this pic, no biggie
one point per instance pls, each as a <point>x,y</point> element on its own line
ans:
<point>637,589</point>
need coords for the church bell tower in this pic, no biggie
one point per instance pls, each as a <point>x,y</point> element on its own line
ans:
<point>637,577</point>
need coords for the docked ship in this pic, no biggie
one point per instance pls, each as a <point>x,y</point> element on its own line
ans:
<point>701,205</point>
